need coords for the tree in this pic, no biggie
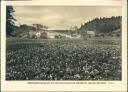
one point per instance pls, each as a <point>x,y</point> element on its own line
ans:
<point>102,25</point>
<point>71,30</point>
<point>43,28</point>
<point>40,27</point>
<point>76,30</point>
<point>9,20</point>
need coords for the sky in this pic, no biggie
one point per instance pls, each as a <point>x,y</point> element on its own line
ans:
<point>62,17</point>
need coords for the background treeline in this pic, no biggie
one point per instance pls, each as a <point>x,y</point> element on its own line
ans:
<point>99,25</point>
<point>19,30</point>
<point>102,25</point>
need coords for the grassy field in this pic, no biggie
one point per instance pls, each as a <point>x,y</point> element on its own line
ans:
<point>63,59</point>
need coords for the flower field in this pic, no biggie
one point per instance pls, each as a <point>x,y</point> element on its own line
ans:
<point>62,60</point>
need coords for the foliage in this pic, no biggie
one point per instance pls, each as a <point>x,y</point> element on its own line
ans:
<point>40,27</point>
<point>25,29</point>
<point>62,60</point>
<point>22,29</point>
<point>9,20</point>
<point>44,35</point>
<point>102,25</point>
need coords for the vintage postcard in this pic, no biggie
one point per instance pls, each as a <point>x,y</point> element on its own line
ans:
<point>67,45</point>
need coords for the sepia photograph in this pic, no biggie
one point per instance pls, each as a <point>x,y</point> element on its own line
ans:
<point>63,43</point>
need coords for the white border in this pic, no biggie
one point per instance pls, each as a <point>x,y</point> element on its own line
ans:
<point>23,86</point>
<point>67,2</point>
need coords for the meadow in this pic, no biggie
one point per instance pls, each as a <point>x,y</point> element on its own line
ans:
<point>63,59</point>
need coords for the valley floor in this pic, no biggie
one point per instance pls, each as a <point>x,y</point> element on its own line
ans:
<point>63,59</point>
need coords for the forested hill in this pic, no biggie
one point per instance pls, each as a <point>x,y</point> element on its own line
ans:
<point>102,25</point>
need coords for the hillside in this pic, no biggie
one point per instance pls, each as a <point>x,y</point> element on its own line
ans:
<point>102,25</point>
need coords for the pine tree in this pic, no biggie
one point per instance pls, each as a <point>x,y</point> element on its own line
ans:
<point>9,20</point>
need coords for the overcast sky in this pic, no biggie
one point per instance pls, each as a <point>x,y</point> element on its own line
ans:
<point>63,17</point>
